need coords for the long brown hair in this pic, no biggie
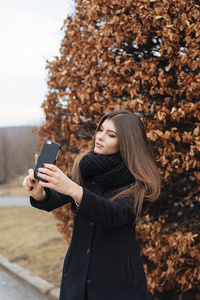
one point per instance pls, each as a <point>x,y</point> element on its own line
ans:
<point>137,154</point>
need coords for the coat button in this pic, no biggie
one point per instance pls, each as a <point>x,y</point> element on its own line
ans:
<point>88,251</point>
<point>91,224</point>
<point>89,282</point>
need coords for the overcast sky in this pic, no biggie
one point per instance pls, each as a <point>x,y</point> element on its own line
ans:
<point>29,35</point>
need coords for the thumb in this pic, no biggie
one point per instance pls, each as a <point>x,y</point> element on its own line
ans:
<point>36,158</point>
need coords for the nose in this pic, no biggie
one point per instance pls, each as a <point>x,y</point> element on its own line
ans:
<point>100,135</point>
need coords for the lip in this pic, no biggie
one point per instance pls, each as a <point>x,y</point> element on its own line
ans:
<point>98,145</point>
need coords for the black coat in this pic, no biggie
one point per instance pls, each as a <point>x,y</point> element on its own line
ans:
<point>103,259</point>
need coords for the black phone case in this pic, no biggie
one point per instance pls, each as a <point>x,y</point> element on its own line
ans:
<point>47,155</point>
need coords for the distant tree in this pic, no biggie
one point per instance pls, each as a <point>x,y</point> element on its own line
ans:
<point>17,148</point>
<point>25,149</point>
<point>140,55</point>
<point>5,163</point>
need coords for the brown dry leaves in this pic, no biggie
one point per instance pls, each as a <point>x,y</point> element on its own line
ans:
<point>175,258</point>
<point>140,55</point>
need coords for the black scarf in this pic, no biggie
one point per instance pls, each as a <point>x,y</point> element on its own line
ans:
<point>106,170</point>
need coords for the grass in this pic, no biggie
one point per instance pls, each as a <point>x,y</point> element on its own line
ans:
<point>30,238</point>
<point>15,188</point>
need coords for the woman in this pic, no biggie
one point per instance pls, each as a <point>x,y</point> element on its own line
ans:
<point>109,183</point>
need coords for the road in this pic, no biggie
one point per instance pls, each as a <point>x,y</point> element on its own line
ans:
<point>13,289</point>
<point>11,286</point>
<point>14,201</point>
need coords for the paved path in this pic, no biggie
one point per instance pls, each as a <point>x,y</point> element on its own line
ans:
<point>17,283</point>
<point>14,201</point>
<point>12,289</point>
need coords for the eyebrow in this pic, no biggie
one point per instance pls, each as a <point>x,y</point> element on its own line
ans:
<point>109,129</point>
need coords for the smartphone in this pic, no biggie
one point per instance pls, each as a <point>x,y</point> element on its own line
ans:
<point>48,154</point>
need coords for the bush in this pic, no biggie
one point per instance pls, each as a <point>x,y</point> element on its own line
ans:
<point>171,261</point>
<point>143,56</point>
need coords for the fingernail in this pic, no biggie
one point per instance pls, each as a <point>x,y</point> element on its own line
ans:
<point>33,181</point>
<point>31,188</point>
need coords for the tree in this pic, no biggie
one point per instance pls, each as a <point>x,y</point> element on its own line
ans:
<point>141,55</point>
<point>17,148</point>
<point>5,163</point>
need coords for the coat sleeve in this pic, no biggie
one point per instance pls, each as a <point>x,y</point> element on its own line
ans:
<point>110,214</point>
<point>53,201</point>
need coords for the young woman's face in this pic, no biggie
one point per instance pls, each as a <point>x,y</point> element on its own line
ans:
<point>106,140</point>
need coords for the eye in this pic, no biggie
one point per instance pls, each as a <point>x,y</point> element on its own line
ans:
<point>112,135</point>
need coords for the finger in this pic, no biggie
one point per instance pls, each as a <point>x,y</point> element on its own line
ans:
<point>36,158</point>
<point>44,175</point>
<point>51,167</point>
<point>41,172</point>
<point>24,183</point>
<point>44,184</point>
<point>46,171</point>
<point>31,174</point>
<point>27,183</point>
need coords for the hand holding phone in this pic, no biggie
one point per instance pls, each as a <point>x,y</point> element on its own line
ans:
<point>48,154</point>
